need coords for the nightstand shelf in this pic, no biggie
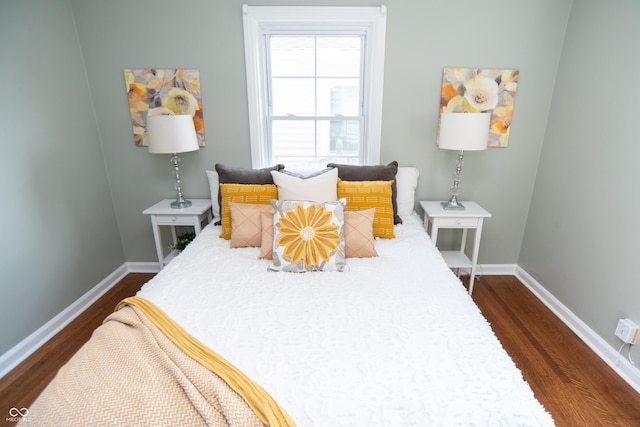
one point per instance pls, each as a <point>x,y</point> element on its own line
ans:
<point>471,218</point>
<point>162,214</point>
<point>456,259</point>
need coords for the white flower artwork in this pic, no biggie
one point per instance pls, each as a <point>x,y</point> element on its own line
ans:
<point>474,90</point>
<point>153,92</point>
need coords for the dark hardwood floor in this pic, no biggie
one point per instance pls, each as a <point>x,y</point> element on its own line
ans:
<point>568,378</point>
<point>573,384</point>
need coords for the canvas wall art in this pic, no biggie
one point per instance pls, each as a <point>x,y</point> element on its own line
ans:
<point>163,91</point>
<point>474,90</point>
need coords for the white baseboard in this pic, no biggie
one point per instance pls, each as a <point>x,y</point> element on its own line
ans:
<point>143,267</point>
<point>27,346</point>
<point>489,270</point>
<point>496,269</point>
<point>594,341</point>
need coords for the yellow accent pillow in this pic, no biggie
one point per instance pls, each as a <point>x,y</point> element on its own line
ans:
<point>256,194</point>
<point>363,195</point>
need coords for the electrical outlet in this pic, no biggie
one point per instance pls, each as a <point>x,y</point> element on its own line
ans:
<point>627,331</point>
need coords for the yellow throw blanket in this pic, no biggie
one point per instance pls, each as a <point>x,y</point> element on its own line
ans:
<point>141,368</point>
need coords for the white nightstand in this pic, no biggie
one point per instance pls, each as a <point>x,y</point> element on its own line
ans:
<point>470,218</point>
<point>163,214</point>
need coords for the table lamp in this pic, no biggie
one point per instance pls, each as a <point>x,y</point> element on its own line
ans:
<point>172,134</point>
<point>462,132</point>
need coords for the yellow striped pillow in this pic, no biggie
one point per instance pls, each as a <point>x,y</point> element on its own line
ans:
<point>363,195</point>
<point>255,194</point>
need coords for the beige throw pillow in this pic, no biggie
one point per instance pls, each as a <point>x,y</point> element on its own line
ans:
<point>358,234</point>
<point>246,228</point>
<point>266,248</point>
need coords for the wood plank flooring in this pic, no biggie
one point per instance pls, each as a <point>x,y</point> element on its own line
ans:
<point>573,384</point>
<point>570,380</point>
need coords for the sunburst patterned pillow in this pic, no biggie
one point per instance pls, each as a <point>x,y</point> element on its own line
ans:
<point>308,236</point>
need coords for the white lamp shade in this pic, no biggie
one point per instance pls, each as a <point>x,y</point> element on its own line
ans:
<point>464,131</point>
<point>168,134</point>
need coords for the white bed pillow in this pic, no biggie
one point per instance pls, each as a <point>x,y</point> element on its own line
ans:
<point>214,188</point>
<point>316,188</point>
<point>406,184</point>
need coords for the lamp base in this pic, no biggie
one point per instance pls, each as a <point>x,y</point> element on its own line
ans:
<point>452,205</point>
<point>180,204</point>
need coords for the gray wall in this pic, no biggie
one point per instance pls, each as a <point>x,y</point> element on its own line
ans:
<point>581,239</point>
<point>422,38</point>
<point>58,226</point>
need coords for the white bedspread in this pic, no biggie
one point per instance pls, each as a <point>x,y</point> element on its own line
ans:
<point>394,341</point>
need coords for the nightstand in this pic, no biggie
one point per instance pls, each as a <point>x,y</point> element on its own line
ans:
<point>470,218</point>
<point>163,214</point>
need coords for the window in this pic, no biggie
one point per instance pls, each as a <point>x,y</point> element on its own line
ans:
<point>314,83</point>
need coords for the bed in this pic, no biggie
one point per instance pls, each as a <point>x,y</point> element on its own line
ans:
<point>390,340</point>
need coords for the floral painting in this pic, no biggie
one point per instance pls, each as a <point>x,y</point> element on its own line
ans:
<point>167,91</point>
<point>473,90</point>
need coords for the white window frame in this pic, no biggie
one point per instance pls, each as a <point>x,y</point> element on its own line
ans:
<point>261,20</point>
